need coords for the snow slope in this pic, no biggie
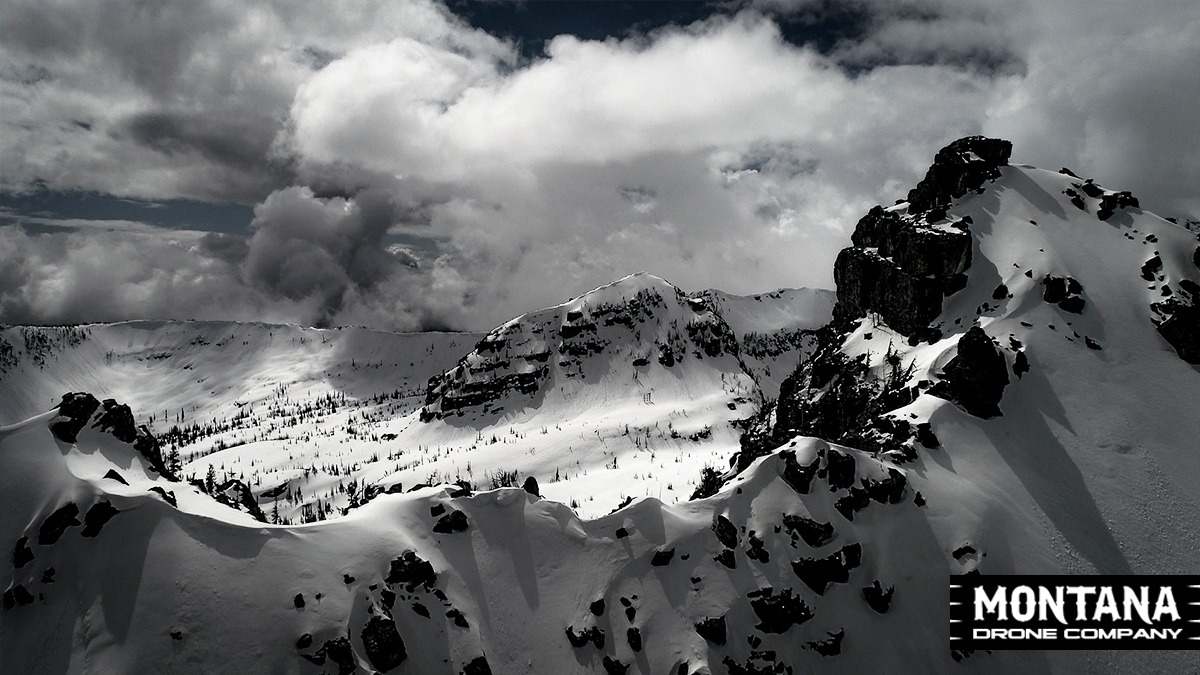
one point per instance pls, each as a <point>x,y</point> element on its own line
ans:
<point>200,588</point>
<point>311,420</point>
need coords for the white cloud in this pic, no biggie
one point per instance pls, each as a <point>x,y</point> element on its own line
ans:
<point>713,155</point>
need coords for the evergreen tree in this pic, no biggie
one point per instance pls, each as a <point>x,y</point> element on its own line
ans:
<point>174,466</point>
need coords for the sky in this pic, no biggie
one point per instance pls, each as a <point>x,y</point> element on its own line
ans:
<point>425,165</point>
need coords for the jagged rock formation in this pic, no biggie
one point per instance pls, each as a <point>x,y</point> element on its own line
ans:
<point>901,269</point>
<point>237,495</point>
<point>1180,327</point>
<point>56,523</point>
<point>77,408</point>
<point>642,315</point>
<point>975,379</point>
<point>904,261</point>
<point>1065,292</point>
<point>385,647</point>
<point>713,629</point>
<point>878,597</point>
<point>835,397</point>
<point>97,516</point>
<point>957,169</point>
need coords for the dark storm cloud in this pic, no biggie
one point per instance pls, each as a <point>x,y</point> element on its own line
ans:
<point>862,35</point>
<point>181,133</point>
<point>149,41</point>
<point>229,248</point>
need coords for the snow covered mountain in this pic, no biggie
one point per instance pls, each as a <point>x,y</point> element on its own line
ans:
<point>629,390</point>
<point>1006,385</point>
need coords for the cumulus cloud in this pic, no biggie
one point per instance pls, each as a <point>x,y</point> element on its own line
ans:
<point>720,154</point>
<point>179,99</point>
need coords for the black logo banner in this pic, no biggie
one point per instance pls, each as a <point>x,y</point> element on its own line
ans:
<point>1074,612</point>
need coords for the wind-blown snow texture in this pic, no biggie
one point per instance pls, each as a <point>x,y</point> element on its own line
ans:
<point>1041,421</point>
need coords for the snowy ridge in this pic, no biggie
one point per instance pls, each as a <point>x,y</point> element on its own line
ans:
<point>1044,384</point>
<point>672,574</point>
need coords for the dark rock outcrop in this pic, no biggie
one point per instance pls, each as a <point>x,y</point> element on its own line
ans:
<point>411,571</point>
<point>1179,324</point>
<point>832,646</point>
<point>478,666</point>
<point>840,468</point>
<point>757,550</point>
<point>22,554</point>
<point>1111,201</point>
<point>1151,268</point>
<point>592,634</point>
<point>712,629</point>
<point>855,500</point>
<point>17,596</point>
<point>662,557</point>
<point>117,419</point>
<point>147,446</point>
<point>888,490</point>
<point>926,437</point>
<point>779,612</point>
<point>455,521</point>
<point>975,379</point>
<point>383,644</point>
<point>1064,292</point>
<point>168,496</point>
<point>531,486</point>
<point>78,409</point>
<point>813,533</point>
<point>1020,364</point>
<point>878,597</point>
<point>901,267</point>
<point>726,532</point>
<point>958,168</point>
<point>97,517</point>
<point>304,641</point>
<point>634,637</point>
<point>819,573</point>
<point>613,666</point>
<point>837,398</point>
<point>337,650</point>
<point>57,523</point>
<point>113,475</point>
<point>868,281</point>
<point>797,476</point>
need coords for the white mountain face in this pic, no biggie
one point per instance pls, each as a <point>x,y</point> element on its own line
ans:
<point>1006,385</point>
<point>627,391</point>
